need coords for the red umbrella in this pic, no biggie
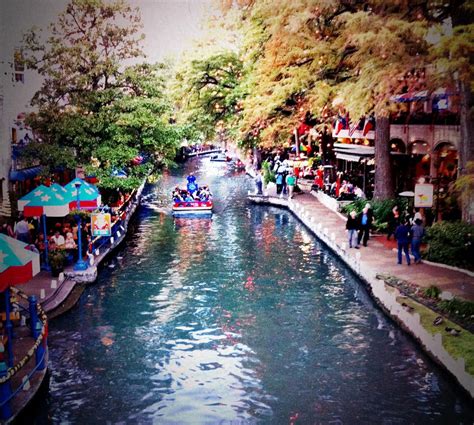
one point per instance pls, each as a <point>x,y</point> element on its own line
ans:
<point>17,265</point>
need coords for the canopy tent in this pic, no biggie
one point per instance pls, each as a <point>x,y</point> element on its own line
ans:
<point>46,201</point>
<point>17,264</point>
<point>31,196</point>
<point>57,188</point>
<point>89,195</point>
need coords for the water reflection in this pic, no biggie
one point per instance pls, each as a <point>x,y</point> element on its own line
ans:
<point>243,317</point>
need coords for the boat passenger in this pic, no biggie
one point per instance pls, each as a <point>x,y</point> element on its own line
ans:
<point>192,185</point>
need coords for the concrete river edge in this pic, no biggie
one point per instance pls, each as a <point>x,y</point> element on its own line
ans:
<point>387,297</point>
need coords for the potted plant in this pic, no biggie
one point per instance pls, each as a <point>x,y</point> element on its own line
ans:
<point>56,261</point>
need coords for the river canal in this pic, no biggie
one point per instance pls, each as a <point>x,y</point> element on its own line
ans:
<point>242,318</point>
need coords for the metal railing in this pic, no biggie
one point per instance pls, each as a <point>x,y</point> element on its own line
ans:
<point>39,349</point>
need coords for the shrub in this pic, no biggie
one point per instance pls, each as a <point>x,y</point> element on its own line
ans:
<point>458,307</point>
<point>381,210</point>
<point>451,243</point>
<point>268,174</point>
<point>432,292</point>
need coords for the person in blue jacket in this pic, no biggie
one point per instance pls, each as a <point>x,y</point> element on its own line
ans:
<point>192,185</point>
<point>402,235</point>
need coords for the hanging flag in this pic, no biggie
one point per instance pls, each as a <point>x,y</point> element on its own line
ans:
<point>359,125</point>
<point>340,124</point>
<point>368,125</point>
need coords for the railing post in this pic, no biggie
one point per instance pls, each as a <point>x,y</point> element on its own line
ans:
<point>9,327</point>
<point>5,394</point>
<point>33,316</point>
<point>39,355</point>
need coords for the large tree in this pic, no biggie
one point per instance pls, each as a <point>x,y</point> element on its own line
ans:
<point>208,92</point>
<point>328,56</point>
<point>92,107</point>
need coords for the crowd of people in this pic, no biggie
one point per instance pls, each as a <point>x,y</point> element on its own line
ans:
<point>63,235</point>
<point>407,230</point>
<point>192,193</point>
<point>341,187</point>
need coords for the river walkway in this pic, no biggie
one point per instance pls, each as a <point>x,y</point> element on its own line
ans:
<point>377,265</point>
<point>380,255</point>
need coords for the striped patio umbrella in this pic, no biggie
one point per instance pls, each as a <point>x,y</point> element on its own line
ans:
<point>31,196</point>
<point>57,188</point>
<point>17,264</point>
<point>46,201</point>
<point>89,195</point>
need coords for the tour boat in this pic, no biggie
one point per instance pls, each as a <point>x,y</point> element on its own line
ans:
<point>192,207</point>
<point>220,157</point>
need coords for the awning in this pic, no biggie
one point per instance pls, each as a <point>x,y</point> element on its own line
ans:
<point>25,174</point>
<point>348,157</point>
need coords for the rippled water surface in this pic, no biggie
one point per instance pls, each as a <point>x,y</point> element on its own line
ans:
<point>242,318</point>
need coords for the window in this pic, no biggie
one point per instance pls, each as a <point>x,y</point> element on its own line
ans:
<point>19,67</point>
<point>19,78</point>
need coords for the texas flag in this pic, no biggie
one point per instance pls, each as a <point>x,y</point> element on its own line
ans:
<point>368,125</point>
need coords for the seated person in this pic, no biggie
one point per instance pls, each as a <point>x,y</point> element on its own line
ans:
<point>70,243</point>
<point>58,239</point>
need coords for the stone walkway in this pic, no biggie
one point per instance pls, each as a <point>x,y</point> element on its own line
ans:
<point>379,255</point>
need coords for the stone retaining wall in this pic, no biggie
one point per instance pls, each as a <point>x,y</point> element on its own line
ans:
<point>384,295</point>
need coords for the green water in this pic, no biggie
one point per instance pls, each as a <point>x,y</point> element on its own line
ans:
<point>242,318</point>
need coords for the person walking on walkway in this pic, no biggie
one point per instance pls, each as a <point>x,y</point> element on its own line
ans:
<point>417,233</point>
<point>259,182</point>
<point>365,222</point>
<point>291,183</point>
<point>402,235</point>
<point>393,221</point>
<point>279,183</point>
<point>352,227</point>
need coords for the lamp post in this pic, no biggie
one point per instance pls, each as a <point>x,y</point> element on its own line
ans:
<point>80,264</point>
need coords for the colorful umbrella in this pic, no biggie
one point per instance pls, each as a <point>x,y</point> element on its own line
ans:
<point>89,195</point>
<point>17,264</point>
<point>57,188</point>
<point>46,201</point>
<point>31,196</point>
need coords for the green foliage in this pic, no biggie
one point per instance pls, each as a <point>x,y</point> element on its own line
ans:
<point>268,174</point>
<point>451,243</point>
<point>57,258</point>
<point>91,110</point>
<point>432,292</point>
<point>461,346</point>
<point>381,209</point>
<point>208,93</point>
<point>84,215</point>
<point>457,307</point>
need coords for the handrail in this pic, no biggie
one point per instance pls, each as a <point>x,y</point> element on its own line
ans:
<point>42,316</point>
<point>23,383</point>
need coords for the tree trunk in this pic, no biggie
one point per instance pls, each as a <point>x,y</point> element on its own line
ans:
<point>466,147</point>
<point>383,169</point>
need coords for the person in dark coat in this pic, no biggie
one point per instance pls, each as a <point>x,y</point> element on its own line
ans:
<point>402,235</point>
<point>352,227</point>
<point>393,221</point>
<point>365,222</point>
<point>417,232</point>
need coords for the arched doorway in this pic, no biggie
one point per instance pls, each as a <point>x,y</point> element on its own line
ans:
<point>420,161</point>
<point>446,161</point>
